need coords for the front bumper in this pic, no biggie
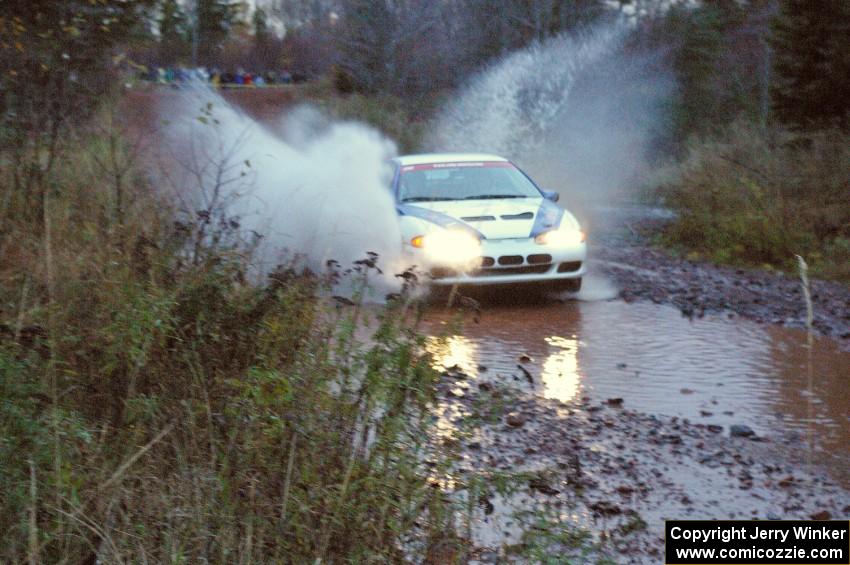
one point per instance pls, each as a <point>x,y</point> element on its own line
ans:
<point>508,261</point>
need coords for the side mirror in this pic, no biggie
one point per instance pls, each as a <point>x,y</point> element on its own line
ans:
<point>551,195</point>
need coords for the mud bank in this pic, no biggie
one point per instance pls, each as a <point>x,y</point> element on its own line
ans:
<point>597,479</point>
<point>699,288</point>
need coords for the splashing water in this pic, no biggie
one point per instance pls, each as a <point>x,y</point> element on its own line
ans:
<point>315,189</point>
<point>580,113</point>
<point>514,102</point>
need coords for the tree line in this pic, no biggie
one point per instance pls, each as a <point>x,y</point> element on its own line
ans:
<point>782,61</point>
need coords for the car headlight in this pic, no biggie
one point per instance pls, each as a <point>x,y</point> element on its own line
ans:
<point>449,247</point>
<point>561,237</point>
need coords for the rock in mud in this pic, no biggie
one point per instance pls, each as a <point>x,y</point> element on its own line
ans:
<point>515,419</point>
<point>605,508</point>
<point>740,430</point>
<point>542,486</point>
<point>614,402</point>
<point>822,515</point>
<point>484,501</point>
<point>488,556</point>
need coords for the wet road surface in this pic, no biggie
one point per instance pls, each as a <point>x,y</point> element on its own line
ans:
<point>712,370</point>
<point>623,412</point>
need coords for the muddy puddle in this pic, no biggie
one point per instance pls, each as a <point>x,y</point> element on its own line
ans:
<point>712,370</point>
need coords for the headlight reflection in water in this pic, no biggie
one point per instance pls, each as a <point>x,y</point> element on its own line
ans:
<point>560,375</point>
<point>451,351</point>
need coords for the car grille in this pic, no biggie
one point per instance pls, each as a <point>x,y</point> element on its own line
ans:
<point>535,264</point>
<point>538,258</point>
<point>510,260</point>
<point>525,270</point>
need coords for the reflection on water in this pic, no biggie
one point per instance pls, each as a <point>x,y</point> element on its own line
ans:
<point>828,407</point>
<point>713,371</point>
<point>559,373</point>
<point>453,350</point>
<point>448,415</point>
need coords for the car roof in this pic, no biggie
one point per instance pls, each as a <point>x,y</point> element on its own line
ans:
<point>429,158</point>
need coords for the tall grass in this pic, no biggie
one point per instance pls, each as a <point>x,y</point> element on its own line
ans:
<point>757,196</point>
<point>157,409</point>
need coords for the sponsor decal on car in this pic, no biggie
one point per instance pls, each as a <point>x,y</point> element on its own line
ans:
<point>479,164</point>
<point>548,217</point>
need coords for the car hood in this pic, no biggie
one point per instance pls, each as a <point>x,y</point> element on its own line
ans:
<point>497,218</point>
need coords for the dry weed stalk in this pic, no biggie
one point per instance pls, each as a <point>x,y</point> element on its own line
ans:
<point>807,298</point>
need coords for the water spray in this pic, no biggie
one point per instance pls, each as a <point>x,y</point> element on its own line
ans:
<point>311,189</point>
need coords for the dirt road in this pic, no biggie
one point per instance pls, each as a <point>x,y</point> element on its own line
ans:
<point>682,393</point>
<point>698,288</point>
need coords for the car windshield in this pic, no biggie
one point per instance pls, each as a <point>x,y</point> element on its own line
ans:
<point>463,181</point>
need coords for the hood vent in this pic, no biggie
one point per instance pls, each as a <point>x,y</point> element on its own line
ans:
<point>523,216</point>
<point>478,218</point>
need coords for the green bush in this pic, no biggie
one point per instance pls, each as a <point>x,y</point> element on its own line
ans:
<point>759,197</point>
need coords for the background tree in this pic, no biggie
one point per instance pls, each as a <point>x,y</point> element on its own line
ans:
<point>173,33</point>
<point>213,22</point>
<point>365,42</point>
<point>539,19</point>
<point>261,26</point>
<point>309,47</point>
<point>56,62</point>
<point>266,50</point>
<point>298,13</point>
<point>485,29</point>
<point>811,86</point>
<point>416,46</point>
<point>719,54</point>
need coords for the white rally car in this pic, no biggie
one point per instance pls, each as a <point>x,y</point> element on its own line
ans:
<point>475,219</point>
